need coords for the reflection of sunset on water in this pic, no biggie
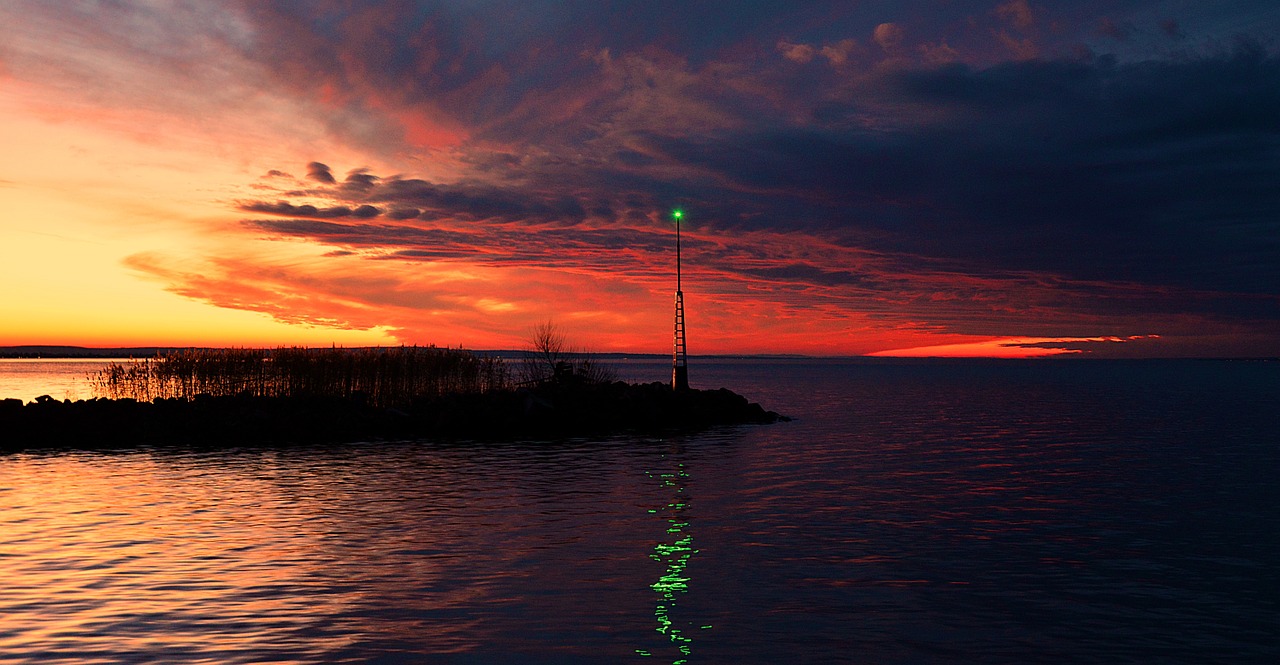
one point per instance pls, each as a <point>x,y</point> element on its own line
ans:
<point>114,555</point>
<point>913,506</point>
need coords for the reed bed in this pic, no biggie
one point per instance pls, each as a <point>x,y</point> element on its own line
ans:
<point>384,376</point>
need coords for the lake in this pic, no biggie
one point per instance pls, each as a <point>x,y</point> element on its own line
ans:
<point>914,512</point>
<point>59,378</point>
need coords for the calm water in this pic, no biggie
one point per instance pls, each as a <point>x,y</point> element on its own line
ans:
<point>932,512</point>
<point>27,379</point>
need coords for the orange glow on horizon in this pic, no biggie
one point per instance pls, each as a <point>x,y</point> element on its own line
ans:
<point>1005,347</point>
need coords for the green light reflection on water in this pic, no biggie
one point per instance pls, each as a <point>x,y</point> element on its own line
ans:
<point>675,554</point>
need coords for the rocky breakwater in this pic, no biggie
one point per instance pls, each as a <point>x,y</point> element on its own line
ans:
<point>547,411</point>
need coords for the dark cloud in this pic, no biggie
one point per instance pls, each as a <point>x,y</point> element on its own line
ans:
<point>404,213</point>
<point>432,254</point>
<point>807,273</point>
<point>357,234</point>
<point>1120,32</point>
<point>305,210</point>
<point>1096,173</point>
<point>1172,29</point>
<point>1017,13</point>
<point>359,182</point>
<point>320,173</point>
<point>1095,183</point>
<point>1112,172</point>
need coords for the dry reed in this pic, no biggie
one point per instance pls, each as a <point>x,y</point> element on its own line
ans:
<point>383,376</point>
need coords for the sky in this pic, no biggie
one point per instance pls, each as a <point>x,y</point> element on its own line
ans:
<point>944,178</point>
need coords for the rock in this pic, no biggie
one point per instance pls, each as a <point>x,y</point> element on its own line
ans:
<point>553,410</point>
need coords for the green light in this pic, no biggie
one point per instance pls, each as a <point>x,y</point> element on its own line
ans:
<point>677,213</point>
<point>676,552</point>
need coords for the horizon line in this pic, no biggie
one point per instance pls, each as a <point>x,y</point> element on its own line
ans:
<point>71,351</point>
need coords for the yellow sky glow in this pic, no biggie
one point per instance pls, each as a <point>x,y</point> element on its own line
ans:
<point>79,199</point>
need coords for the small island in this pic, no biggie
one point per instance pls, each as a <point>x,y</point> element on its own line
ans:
<point>238,397</point>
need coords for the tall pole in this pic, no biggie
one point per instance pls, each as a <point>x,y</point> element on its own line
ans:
<point>679,360</point>
<point>678,214</point>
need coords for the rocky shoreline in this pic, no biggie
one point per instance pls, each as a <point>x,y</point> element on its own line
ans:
<point>548,411</point>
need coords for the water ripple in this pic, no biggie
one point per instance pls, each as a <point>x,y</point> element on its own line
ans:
<point>910,514</point>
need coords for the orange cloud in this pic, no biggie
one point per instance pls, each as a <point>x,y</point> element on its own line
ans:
<point>1009,347</point>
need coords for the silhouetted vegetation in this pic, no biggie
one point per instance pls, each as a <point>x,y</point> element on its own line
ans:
<point>296,395</point>
<point>549,357</point>
<point>380,376</point>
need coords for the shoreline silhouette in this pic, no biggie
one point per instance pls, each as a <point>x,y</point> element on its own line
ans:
<point>547,411</point>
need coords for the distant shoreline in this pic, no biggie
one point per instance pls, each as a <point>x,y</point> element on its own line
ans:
<point>55,352</point>
<point>64,352</point>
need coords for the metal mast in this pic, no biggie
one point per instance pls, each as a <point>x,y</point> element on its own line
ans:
<point>679,362</point>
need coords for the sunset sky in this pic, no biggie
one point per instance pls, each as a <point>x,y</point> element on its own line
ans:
<point>896,178</point>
